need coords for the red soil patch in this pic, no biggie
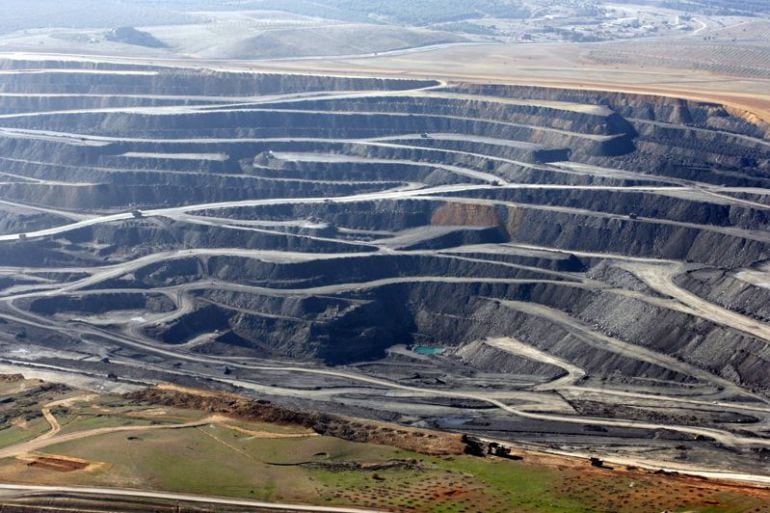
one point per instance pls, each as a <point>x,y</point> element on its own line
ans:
<point>465,214</point>
<point>58,464</point>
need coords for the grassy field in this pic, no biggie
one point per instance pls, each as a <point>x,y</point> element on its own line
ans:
<point>217,460</point>
<point>107,412</point>
<point>12,434</point>
<point>257,460</point>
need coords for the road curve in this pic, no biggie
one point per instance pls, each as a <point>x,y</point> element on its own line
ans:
<point>183,497</point>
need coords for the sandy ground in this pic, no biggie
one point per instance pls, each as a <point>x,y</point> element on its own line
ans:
<point>548,65</point>
<point>552,65</point>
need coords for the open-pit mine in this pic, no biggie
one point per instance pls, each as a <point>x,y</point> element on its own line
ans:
<point>576,272</point>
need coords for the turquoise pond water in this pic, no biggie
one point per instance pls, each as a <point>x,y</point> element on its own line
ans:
<point>428,350</point>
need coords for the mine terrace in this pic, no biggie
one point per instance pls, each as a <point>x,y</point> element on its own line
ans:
<point>578,271</point>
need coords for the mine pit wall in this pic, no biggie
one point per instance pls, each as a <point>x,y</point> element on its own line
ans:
<point>105,196</point>
<point>320,273</point>
<point>425,311</point>
<point>722,287</point>
<point>29,104</point>
<point>372,215</point>
<point>667,129</point>
<point>644,204</point>
<point>527,115</point>
<point>102,303</point>
<point>173,235</point>
<point>339,329</point>
<point>687,137</point>
<point>577,232</point>
<point>632,106</point>
<point>538,155</point>
<point>39,253</point>
<point>183,82</point>
<point>723,351</point>
<point>751,119</point>
<point>15,222</point>
<point>566,230</point>
<point>64,63</point>
<point>309,124</point>
<point>358,171</point>
<point>480,355</point>
<point>713,156</point>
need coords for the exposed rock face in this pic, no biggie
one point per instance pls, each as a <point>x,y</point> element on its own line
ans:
<point>740,291</point>
<point>457,214</point>
<point>203,219</point>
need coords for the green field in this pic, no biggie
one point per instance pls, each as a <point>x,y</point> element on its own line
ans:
<point>262,461</point>
<point>215,460</point>
<point>11,435</point>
